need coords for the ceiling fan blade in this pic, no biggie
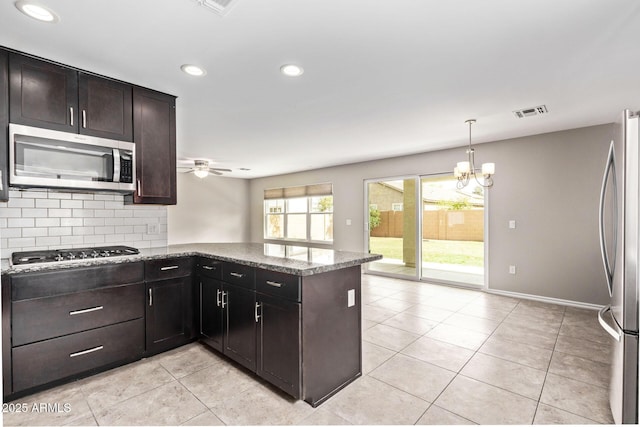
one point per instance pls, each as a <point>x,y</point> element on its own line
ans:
<point>187,171</point>
<point>220,169</point>
<point>215,172</point>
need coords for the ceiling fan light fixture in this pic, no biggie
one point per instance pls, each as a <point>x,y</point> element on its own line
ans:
<point>291,70</point>
<point>37,11</point>
<point>201,173</point>
<point>193,70</point>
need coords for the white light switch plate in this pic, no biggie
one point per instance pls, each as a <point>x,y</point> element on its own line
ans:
<point>351,297</point>
<point>512,223</point>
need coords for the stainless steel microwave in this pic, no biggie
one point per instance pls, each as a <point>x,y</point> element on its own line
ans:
<point>48,158</point>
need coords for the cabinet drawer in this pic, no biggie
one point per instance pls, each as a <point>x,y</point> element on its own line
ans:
<point>278,284</point>
<point>50,283</point>
<point>160,269</point>
<point>239,274</point>
<point>58,358</point>
<point>210,267</point>
<point>43,318</point>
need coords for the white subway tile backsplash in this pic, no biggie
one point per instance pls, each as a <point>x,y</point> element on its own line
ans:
<point>59,213</point>
<point>54,219</point>
<point>70,204</point>
<point>34,213</point>
<point>47,222</point>
<point>71,222</point>
<point>20,222</point>
<point>21,203</point>
<point>46,203</point>
<point>35,232</point>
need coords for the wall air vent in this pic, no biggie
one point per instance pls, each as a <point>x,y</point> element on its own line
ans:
<point>533,111</point>
<point>221,7</point>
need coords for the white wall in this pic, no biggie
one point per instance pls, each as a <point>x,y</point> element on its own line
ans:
<point>213,209</point>
<point>548,183</point>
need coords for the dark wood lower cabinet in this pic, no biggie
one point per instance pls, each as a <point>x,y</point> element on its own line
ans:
<point>240,325</point>
<point>58,358</point>
<point>279,343</point>
<point>169,317</point>
<point>211,313</point>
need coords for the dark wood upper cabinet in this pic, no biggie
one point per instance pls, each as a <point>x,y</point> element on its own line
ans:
<point>4,126</point>
<point>55,97</point>
<point>154,133</point>
<point>105,108</point>
<point>42,94</point>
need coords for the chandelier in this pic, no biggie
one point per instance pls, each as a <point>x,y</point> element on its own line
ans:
<point>465,170</point>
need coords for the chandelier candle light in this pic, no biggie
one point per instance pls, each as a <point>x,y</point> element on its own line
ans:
<point>464,170</point>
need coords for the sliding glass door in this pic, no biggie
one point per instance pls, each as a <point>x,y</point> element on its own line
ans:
<point>392,229</point>
<point>426,229</point>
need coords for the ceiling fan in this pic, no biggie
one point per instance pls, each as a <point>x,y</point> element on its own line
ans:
<point>200,168</point>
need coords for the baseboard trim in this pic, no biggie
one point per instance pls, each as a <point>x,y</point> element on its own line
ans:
<point>558,301</point>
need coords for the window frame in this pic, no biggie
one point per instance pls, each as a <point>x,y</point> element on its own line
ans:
<point>285,214</point>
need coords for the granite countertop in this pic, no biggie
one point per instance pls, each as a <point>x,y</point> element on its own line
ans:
<point>298,260</point>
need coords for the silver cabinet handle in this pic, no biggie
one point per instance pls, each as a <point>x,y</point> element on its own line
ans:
<point>139,187</point>
<point>71,116</point>
<point>275,284</point>
<point>208,267</point>
<point>225,302</point>
<point>1,186</point>
<point>611,330</point>
<point>236,274</point>
<point>201,304</point>
<point>218,293</point>
<point>84,119</point>
<point>170,267</point>
<point>91,350</point>
<point>257,316</point>
<point>86,310</point>
<point>150,297</point>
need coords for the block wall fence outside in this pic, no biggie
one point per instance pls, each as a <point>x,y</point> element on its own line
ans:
<point>37,219</point>
<point>465,225</point>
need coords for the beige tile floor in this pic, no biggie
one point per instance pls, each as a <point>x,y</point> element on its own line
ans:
<point>431,355</point>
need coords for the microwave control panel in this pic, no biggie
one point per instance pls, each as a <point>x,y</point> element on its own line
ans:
<point>126,168</point>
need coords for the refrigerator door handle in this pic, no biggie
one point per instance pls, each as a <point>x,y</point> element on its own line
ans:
<point>611,327</point>
<point>608,270</point>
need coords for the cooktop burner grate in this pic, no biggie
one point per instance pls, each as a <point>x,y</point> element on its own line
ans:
<point>58,255</point>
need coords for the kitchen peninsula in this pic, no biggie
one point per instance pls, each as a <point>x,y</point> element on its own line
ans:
<point>290,314</point>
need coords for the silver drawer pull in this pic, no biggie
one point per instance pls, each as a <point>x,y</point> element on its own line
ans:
<point>208,267</point>
<point>86,310</point>
<point>171,267</point>
<point>276,284</point>
<point>91,350</point>
<point>236,274</point>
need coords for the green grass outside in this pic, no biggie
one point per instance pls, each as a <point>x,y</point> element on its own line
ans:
<point>438,251</point>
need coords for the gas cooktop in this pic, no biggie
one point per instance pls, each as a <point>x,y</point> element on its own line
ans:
<point>75,254</point>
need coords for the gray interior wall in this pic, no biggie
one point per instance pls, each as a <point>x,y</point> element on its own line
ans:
<point>213,209</point>
<point>548,183</point>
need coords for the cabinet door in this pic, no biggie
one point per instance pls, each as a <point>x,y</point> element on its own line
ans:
<point>42,94</point>
<point>240,325</point>
<point>211,318</point>
<point>279,343</point>
<point>154,133</point>
<point>168,320</point>
<point>4,125</point>
<point>106,108</point>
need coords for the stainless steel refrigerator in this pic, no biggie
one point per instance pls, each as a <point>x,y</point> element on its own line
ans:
<point>619,240</point>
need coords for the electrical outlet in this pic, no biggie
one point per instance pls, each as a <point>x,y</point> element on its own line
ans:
<point>512,223</point>
<point>351,297</point>
<point>348,222</point>
<point>153,228</point>
<point>512,269</point>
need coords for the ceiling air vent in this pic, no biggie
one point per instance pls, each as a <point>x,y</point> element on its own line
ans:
<point>221,7</point>
<point>533,111</point>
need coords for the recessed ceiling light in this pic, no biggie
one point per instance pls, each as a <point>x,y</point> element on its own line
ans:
<point>291,70</point>
<point>193,70</point>
<point>37,11</point>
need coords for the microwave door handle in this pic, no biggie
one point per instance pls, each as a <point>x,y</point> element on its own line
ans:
<point>608,171</point>
<point>116,165</point>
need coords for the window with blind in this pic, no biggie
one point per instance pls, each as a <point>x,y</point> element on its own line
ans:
<point>303,213</point>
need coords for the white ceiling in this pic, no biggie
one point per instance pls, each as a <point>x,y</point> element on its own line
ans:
<point>382,78</point>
